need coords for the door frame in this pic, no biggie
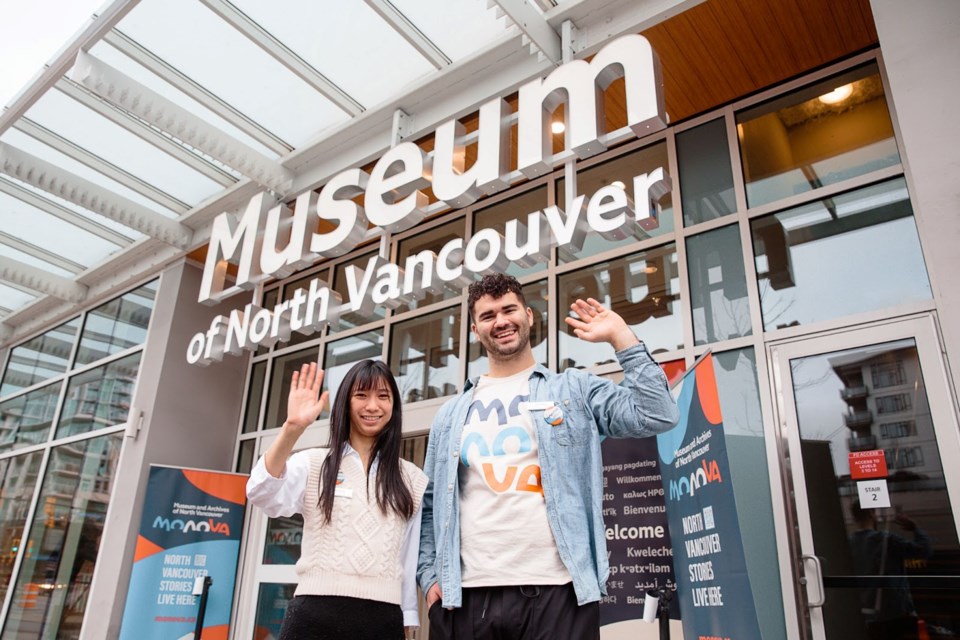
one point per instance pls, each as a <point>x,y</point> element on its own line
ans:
<point>803,584</point>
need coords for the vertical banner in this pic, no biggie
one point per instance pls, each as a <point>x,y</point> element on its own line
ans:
<point>191,527</point>
<point>635,518</point>
<point>712,582</point>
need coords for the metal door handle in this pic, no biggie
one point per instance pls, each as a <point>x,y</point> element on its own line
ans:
<point>819,578</point>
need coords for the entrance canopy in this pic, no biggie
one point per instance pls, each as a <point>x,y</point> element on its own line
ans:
<point>161,114</point>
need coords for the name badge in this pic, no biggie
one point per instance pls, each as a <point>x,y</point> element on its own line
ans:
<point>343,492</point>
<point>537,406</point>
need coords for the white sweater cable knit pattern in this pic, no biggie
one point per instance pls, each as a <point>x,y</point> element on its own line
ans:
<point>357,553</point>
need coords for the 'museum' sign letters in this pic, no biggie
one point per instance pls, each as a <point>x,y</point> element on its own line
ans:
<point>268,240</point>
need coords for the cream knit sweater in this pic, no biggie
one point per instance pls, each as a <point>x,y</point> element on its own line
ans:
<point>358,553</point>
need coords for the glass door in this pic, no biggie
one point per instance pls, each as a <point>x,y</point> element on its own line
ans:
<point>271,554</point>
<point>870,453</point>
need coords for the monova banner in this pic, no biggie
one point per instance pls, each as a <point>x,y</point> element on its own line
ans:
<point>191,526</point>
<point>712,582</point>
<point>635,518</point>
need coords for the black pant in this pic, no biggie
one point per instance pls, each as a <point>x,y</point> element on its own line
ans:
<point>535,612</point>
<point>340,618</point>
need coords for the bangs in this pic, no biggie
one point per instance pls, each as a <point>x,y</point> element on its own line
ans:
<point>371,378</point>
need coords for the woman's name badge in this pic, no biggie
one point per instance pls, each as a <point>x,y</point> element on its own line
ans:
<point>342,492</point>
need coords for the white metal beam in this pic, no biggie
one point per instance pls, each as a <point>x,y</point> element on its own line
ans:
<point>46,205</point>
<point>282,54</point>
<point>52,179</point>
<point>100,165</point>
<point>98,25</point>
<point>147,59</point>
<point>39,281</point>
<point>409,32</point>
<point>542,38</point>
<point>141,130</point>
<point>148,105</point>
<point>40,253</point>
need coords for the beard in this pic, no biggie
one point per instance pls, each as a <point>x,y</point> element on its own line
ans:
<point>497,351</point>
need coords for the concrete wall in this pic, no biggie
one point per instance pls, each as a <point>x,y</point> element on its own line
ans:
<point>921,53</point>
<point>190,419</point>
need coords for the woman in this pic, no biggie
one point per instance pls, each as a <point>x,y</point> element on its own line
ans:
<point>360,504</point>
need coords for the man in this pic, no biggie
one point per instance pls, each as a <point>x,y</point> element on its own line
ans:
<point>512,543</point>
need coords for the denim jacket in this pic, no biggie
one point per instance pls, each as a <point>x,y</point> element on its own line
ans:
<point>570,466</point>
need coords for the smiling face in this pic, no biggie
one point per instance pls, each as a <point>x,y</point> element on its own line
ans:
<point>370,410</point>
<point>502,325</point>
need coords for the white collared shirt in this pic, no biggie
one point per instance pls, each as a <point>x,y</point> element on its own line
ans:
<point>283,496</point>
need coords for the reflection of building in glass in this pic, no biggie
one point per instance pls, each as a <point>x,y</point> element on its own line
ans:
<point>26,419</point>
<point>99,399</point>
<point>887,409</point>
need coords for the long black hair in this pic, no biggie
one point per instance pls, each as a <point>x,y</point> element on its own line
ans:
<point>391,490</point>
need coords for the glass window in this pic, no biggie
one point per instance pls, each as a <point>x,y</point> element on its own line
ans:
<point>100,397</point>
<point>620,170</point>
<point>718,286</point>
<point>904,457</point>
<point>739,392</point>
<point>251,415</point>
<point>414,449</point>
<point>893,404</point>
<point>117,325</point>
<point>706,177</point>
<point>283,540</point>
<point>643,288</point>
<point>430,240</point>
<point>353,319</point>
<point>40,358</point>
<point>834,130</point>
<point>341,355</point>
<point>271,607</point>
<point>26,419</point>
<point>536,296</point>
<point>887,374</point>
<point>283,368</point>
<point>51,590</point>
<point>851,253</point>
<point>18,478</point>
<point>898,429</point>
<point>425,355</point>
<point>246,458</point>
<point>516,208</point>
<point>269,300</point>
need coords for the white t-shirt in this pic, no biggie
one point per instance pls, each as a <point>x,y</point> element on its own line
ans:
<point>505,538</point>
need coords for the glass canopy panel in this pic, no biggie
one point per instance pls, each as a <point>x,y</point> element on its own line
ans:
<point>475,25</point>
<point>116,145</point>
<point>11,298</point>
<point>207,49</point>
<point>351,46</point>
<point>26,258</point>
<point>122,63</point>
<point>25,143</point>
<point>51,233</point>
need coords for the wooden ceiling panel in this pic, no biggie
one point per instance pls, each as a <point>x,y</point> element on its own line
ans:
<point>722,50</point>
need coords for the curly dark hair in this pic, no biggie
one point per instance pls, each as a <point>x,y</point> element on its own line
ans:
<point>495,285</point>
